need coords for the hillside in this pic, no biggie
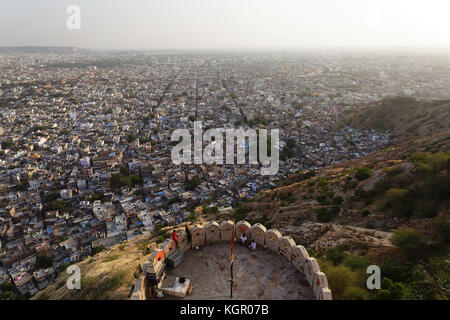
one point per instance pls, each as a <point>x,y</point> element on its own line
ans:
<point>348,216</point>
<point>106,275</point>
<point>396,187</point>
<point>390,208</point>
<point>109,274</point>
<point>405,118</point>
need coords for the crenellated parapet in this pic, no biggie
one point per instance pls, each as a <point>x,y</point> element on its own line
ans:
<point>270,239</point>
<point>198,236</point>
<point>258,233</point>
<point>226,230</point>
<point>311,267</point>
<point>273,240</point>
<point>286,246</point>
<point>183,243</point>
<point>299,256</point>
<point>169,246</point>
<point>212,232</point>
<point>242,227</point>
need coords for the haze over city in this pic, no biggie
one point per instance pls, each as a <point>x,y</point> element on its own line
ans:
<point>224,149</point>
<point>230,24</point>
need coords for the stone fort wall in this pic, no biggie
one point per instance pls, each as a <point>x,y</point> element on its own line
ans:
<point>269,239</point>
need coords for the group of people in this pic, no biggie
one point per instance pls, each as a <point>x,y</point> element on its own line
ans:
<point>244,241</point>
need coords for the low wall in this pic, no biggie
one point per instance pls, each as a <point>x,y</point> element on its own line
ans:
<point>299,256</point>
<point>212,232</point>
<point>198,236</point>
<point>286,246</point>
<point>183,243</point>
<point>273,240</point>
<point>226,230</point>
<point>242,227</point>
<point>258,233</point>
<point>270,239</point>
<point>169,246</point>
<point>310,268</point>
<point>320,282</point>
<point>139,289</point>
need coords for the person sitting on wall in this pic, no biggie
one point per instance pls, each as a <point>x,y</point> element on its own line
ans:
<point>175,237</point>
<point>252,245</point>
<point>243,239</point>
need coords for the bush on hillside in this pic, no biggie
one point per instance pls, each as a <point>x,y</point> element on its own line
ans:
<point>355,293</point>
<point>392,290</point>
<point>401,201</point>
<point>98,249</point>
<point>441,232</point>
<point>325,215</point>
<point>337,200</point>
<point>355,262</point>
<point>336,254</point>
<point>341,280</point>
<point>363,173</point>
<point>410,241</point>
<point>429,162</point>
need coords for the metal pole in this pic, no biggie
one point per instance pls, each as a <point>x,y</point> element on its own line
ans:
<point>232,281</point>
<point>231,264</point>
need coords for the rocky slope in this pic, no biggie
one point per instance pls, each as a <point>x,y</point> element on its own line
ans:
<point>402,186</point>
<point>106,275</point>
<point>320,236</point>
<point>404,117</point>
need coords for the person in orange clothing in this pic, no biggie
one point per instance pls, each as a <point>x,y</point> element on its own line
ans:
<point>175,237</point>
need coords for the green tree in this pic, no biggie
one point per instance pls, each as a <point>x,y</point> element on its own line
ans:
<point>392,290</point>
<point>43,261</point>
<point>98,249</point>
<point>193,183</point>
<point>22,186</point>
<point>362,173</point>
<point>59,205</point>
<point>131,137</point>
<point>336,254</point>
<point>441,230</point>
<point>341,281</point>
<point>337,200</point>
<point>410,241</point>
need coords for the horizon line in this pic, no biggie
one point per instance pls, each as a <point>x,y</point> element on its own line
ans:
<point>428,48</point>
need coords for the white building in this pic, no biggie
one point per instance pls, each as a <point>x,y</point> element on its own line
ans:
<point>33,185</point>
<point>66,194</point>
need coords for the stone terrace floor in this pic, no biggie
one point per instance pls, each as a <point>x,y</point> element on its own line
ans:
<point>260,274</point>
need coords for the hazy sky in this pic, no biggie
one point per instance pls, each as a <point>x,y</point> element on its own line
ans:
<point>216,24</point>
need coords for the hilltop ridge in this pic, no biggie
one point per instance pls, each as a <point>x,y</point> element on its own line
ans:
<point>375,191</point>
<point>404,117</point>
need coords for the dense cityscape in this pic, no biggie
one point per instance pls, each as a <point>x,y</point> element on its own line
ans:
<point>86,138</point>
